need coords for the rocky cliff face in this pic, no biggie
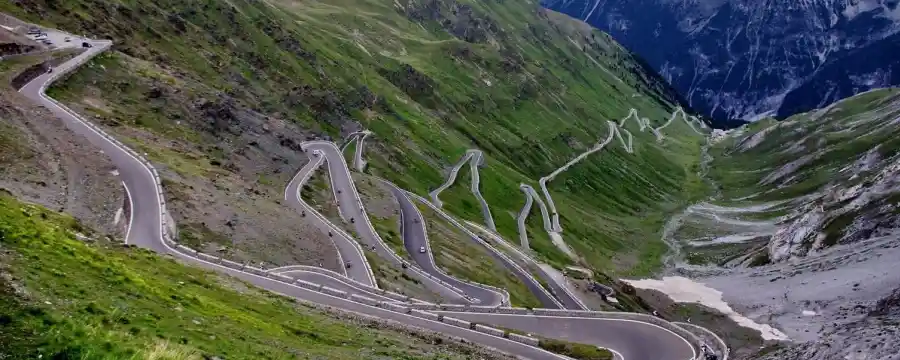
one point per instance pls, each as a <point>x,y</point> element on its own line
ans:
<point>743,58</point>
<point>871,334</point>
<point>804,232</point>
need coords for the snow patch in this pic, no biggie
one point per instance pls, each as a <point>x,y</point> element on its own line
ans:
<point>685,290</point>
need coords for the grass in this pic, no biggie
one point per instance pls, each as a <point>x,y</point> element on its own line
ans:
<point>566,348</point>
<point>392,278</point>
<point>458,255</point>
<point>833,141</point>
<point>575,350</point>
<point>67,299</point>
<point>527,86</point>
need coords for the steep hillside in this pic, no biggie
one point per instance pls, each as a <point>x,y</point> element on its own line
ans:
<point>219,94</point>
<point>65,293</point>
<point>43,162</point>
<point>737,59</point>
<point>803,231</point>
<point>829,177</point>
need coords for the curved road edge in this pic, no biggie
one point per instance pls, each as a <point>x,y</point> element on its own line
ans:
<point>149,230</point>
<point>415,236</point>
<point>350,202</point>
<point>475,158</point>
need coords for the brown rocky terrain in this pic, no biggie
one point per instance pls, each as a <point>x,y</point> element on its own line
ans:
<point>42,162</point>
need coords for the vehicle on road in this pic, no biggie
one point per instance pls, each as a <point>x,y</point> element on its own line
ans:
<point>415,220</point>
<point>34,30</point>
<point>86,45</point>
<point>47,42</point>
<point>49,70</point>
<point>348,265</point>
<point>421,250</point>
<point>67,39</point>
<point>352,221</point>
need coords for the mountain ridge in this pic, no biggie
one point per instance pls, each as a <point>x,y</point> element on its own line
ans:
<point>736,59</point>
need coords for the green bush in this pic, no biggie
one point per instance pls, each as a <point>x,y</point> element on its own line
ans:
<point>575,350</point>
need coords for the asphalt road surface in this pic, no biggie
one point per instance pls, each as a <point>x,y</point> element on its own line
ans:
<point>566,299</point>
<point>635,340</point>
<point>413,231</point>
<point>475,158</point>
<point>352,211</point>
<point>348,250</point>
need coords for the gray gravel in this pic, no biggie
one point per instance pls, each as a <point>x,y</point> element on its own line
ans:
<point>827,284</point>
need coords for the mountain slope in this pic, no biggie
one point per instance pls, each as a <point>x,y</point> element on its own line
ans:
<point>803,228</point>
<point>68,294</point>
<point>738,59</point>
<point>220,94</point>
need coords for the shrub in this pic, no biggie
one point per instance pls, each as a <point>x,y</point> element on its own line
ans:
<point>575,350</point>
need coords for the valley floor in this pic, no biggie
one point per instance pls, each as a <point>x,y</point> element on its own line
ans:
<point>801,238</point>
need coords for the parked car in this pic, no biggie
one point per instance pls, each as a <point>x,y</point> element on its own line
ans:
<point>47,42</point>
<point>34,30</point>
<point>86,45</point>
<point>421,250</point>
<point>67,39</point>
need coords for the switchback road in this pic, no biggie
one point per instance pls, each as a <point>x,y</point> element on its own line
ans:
<point>148,228</point>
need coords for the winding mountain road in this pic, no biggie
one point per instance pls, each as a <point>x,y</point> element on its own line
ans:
<point>545,297</point>
<point>349,252</point>
<point>531,196</point>
<point>554,229</point>
<point>148,228</point>
<point>475,158</point>
<point>351,209</point>
<point>359,137</point>
<point>415,236</point>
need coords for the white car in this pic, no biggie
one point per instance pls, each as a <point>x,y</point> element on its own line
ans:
<point>421,250</point>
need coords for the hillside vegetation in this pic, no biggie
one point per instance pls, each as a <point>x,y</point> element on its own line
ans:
<point>812,181</point>
<point>66,295</point>
<point>220,93</point>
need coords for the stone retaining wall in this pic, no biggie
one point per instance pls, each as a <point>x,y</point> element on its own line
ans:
<point>207,257</point>
<point>423,314</point>
<point>489,330</point>
<point>364,300</point>
<point>333,291</point>
<point>456,322</point>
<point>524,339</point>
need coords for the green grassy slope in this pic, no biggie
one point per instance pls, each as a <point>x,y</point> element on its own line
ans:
<point>461,257</point>
<point>835,139</point>
<point>529,87</point>
<point>63,298</point>
<point>828,172</point>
